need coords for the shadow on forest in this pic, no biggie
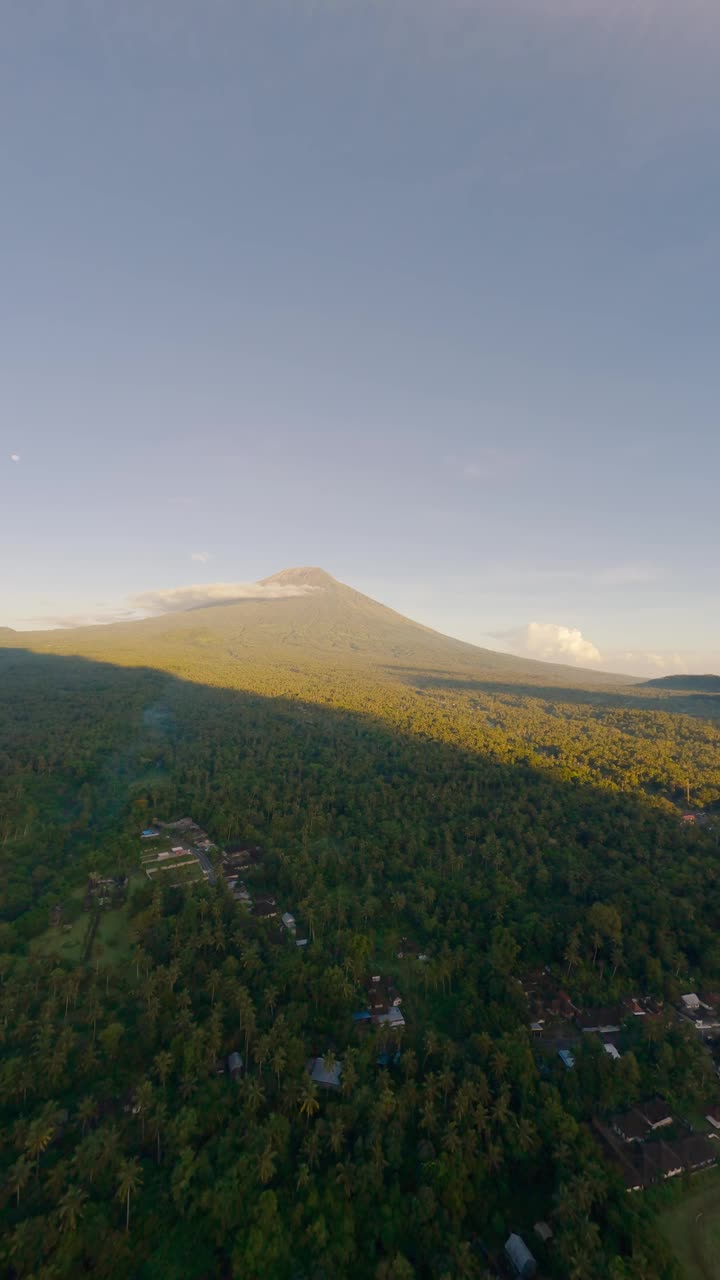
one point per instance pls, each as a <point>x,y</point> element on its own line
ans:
<point>472,841</point>
<point>634,697</point>
<point>411,778</point>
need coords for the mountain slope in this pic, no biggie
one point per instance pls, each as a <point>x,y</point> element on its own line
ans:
<point>686,684</point>
<point>312,620</point>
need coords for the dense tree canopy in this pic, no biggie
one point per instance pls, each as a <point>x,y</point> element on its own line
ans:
<point>502,831</point>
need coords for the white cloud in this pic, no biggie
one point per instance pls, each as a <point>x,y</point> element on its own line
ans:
<point>664,663</point>
<point>201,556</point>
<point>175,599</point>
<point>14,457</point>
<point>92,618</point>
<point>169,600</point>
<point>552,642</point>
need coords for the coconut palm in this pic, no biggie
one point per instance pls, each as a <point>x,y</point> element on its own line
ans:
<point>309,1105</point>
<point>40,1135</point>
<point>19,1177</point>
<point>163,1066</point>
<point>266,1166</point>
<point>71,1208</point>
<point>278,1062</point>
<point>129,1183</point>
<point>86,1112</point>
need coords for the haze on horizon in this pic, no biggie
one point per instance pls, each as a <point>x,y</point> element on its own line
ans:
<point>423,294</point>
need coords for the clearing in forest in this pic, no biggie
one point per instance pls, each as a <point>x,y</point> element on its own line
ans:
<point>692,1227</point>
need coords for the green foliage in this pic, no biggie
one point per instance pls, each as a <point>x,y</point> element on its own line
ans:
<point>501,829</point>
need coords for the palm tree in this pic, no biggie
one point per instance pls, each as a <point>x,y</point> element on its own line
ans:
<point>309,1104</point>
<point>345,1177</point>
<point>266,1166</point>
<point>526,1135</point>
<point>87,1110</point>
<point>19,1177</point>
<point>129,1183</point>
<point>337,1135</point>
<point>451,1141</point>
<point>163,1067</point>
<point>71,1208</point>
<point>25,1246</point>
<point>261,1052</point>
<point>447,1081</point>
<point>144,1096</point>
<point>40,1135</point>
<point>278,1062</point>
<point>431,1045</point>
<point>254,1094</point>
<point>311,1147</point>
<point>158,1120</point>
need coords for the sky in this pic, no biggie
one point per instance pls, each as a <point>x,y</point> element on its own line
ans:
<point>421,291</point>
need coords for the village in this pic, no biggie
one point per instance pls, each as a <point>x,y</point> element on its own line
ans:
<point>649,1143</point>
<point>646,1145</point>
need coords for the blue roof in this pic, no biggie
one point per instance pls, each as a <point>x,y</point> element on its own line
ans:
<point>384,1059</point>
<point>567,1057</point>
<point>362,1016</point>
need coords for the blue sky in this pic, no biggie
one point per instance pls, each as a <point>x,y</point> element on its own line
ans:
<point>422,291</point>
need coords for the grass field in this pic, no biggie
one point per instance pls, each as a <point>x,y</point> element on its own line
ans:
<point>692,1228</point>
<point>113,940</point>
<point>66,944</point>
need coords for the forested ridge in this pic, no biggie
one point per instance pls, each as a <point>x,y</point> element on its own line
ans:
<point>502,831</point>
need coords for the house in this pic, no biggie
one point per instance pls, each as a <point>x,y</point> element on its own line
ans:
<point>520,1257</point>
<point>601,1021</point>
<point>288,920</point>
<point>235,1065</point>
<point>392,1018</point>
<point>264,908</point>
<point>408,949</point>
<point>242,855</point>
<point>567,1058</point>
<point>411,951</point>
<point>325,1072</point>
<point>661,1160</point>
<point>655,1113</point>
<point>387,1059</point>
<point>633,1006</point>
<point>543,1231</point>
<point>561,1006</point>
<point>382,995</point>
<point>712,1115</point>
<point>150,833</point>
<point>695,1152</point>
<point>612,1051</point>
<point>630,1126</point>
<point>699,1012</point>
